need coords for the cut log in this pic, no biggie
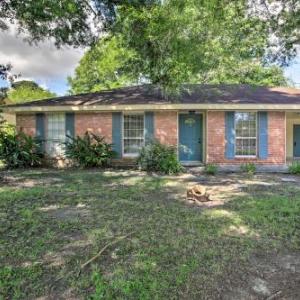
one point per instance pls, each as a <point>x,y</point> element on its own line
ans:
<point>197,193</point>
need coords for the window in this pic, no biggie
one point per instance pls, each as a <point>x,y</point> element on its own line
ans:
<point>56,134</point>
<point>133,133</point>
<point>245,134</point>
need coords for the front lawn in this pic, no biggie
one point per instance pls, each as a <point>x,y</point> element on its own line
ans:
<point>244,244</point>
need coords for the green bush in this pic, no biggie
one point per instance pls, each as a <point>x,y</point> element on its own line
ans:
<point>249,168</point>
<point>211,169</point>
<point>89,151</point>
<point>159,158</point>
<point>18,150</point>
<point>294,168</point>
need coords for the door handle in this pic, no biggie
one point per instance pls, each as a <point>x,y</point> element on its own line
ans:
<point>199,141</point>
<point>295,144</point>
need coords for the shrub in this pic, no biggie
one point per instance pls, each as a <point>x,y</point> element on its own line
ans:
<point>211,169</point>
<point>249,168</point>
<point>18,150</point>
<point>159,158</point>
<point>89,151</point>
<point>294,168</point>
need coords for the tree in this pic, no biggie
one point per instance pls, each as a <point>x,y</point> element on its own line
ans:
<point>172,39</point>
<point>108,65</point>
<point>26,91</point>
<point>68,22</point>
<point>282,18</point>
<point>181,40</point>
<point>247,72</point>
<point>79,22</point>
<point>5,73</point>
<point>102,67</point>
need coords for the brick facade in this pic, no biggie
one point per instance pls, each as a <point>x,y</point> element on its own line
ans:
<point>216,140</point>
<point>166,131</point>
<point>26,123</point>
<point>97,123</point>
<point>165,127</point>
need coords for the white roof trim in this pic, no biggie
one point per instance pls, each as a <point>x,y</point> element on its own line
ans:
<point>153,107</point>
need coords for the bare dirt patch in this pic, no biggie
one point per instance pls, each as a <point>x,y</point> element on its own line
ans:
<point>221,249</point>
<point>67,212</point>
<point>272,276</point>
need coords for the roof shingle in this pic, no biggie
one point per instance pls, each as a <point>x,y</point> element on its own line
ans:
<point>200,94</point>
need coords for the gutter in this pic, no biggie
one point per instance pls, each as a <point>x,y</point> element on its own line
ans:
<point>152,107</point>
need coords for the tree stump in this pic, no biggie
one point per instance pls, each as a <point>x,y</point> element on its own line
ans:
<point>197,193</point>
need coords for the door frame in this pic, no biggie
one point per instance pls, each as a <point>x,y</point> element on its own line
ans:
<point>294,125</point>
<point>203,135</point>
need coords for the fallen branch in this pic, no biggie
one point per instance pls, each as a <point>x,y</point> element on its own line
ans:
<point>117,240</point>
<point>274,295</point>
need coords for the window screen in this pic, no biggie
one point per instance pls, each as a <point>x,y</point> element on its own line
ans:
<point>56,134</point>
<point>133,133</point>
<point>245,134</point>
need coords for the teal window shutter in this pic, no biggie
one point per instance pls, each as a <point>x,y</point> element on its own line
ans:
<point>117,133</point>
<point>229,135</point>
<point>70,125</point>
<point>40,130</point>
<point>149,127</point>
<point>263,135</point>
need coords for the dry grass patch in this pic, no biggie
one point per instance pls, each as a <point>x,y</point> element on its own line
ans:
<point>175,250</point>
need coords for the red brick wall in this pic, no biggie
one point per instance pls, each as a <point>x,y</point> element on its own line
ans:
<point>98,123</point>
<point>165,127</point>
<point>216,140</point>
<point>26,123</point>
<point>215,136</point>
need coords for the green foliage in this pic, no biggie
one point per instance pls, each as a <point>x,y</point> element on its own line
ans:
<point>248,168</point>
<point>159,158</point>
<point>100,285</point>
<point>181,41</point>
<point>211,169</point>
<point>68,22</point>
<point>247,72</point>
<point>75,206</point>
<point>26,91</point>
<point>102,67</point>
<point>89,151</point>
<point>294,168</point>
<point>18,150</point>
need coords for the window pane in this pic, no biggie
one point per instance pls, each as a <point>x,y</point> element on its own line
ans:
<point>133,133</point>
<point>245,131</point>
<point>246,147</point>
<point>56,134</point>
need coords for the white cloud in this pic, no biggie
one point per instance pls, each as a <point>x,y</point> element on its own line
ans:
<point>43,62</point>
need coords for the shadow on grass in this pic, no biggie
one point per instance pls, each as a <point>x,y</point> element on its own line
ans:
<point>45,226</point>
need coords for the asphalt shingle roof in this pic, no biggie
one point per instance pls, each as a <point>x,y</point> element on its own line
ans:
<point>200,94</point>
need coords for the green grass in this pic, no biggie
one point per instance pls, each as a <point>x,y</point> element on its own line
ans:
<point>63,218</point>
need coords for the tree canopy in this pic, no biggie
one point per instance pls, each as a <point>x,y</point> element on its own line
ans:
<point>104,66</point>
<point>79,22</point>
<point>68,22</point>
<point>170,41</point>
<point>247,72</point>
<point>108,65</point>
<point>26,91</point>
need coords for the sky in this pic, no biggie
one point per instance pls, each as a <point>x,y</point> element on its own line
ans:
<point>50,67</point>
<point>43,63</point>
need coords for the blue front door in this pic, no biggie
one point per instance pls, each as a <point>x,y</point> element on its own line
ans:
<point>296,140</point>
<point>190,137</point>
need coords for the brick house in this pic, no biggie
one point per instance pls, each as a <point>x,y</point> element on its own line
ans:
<point>221,124</point>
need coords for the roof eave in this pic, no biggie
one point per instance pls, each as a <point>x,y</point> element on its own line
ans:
<point>153,107</point>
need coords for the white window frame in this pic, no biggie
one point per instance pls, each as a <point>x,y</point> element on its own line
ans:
<point>51,141</point>
<point>256,132</point>
<point>132,155</point>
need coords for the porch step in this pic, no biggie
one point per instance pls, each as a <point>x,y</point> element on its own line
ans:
<point>192,164</point>
<point>124,163</point>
